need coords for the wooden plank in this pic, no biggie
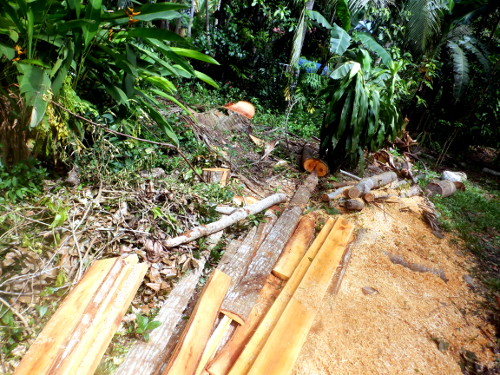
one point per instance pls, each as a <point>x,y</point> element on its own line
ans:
<point>194,338</point>
<point>54,336</point>
<point>241,299</point>
<point>259,337</point>
<point>295,248</point>
<point>226,357</point>
<point>213,343</point>
<point>282,348</point>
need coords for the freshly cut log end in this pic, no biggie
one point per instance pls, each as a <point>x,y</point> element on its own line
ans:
<point>369,197</point>
<point>311,163</point>
<point>321,168</point>
<point>242,107</point>
<point>444,188</point>
<point>231,314</point>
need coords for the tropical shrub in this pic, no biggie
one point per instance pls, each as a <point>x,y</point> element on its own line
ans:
<point>113,58</point>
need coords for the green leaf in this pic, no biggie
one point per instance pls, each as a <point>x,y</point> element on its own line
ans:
<point>93,14</point>
<point>206,79</point>
<point>371,45</point>
<point>75,5</point>
<point>59,219</point>
<point>162,83</point>
<point>153,33</point>
<point>7,51</point>
<point>343,14</point>
<point>318,17</point>
<point>34,85</point>
<point>152,325</point>
<point>339,40</point>
<point>173,100</point>
<point>160,120</point>
<point>342,71</point>
<point>194,55</point>
<point>460,69</point>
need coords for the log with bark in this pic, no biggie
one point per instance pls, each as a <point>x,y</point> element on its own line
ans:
<point>354,204</point>
<point>195,336</point>
<point>77,335</point>
<point>444,188</point>
<point>369,183</point>
<point>227,356</point>
<point>312,163</point>
<point>327,197</point>
<point>282,348</point>
<point>259,337</point>
<point>295,248</point>
<point>147,358</point>
<point>241,299</point>
<point>216,226</point>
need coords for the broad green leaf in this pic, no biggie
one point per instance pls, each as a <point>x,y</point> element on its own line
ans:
<point>34,85</point>
<point>371,45</point>
<point>93,14</point>
<point>153,33</point>
<point>75,5</point>
<point>7,51</point>
<point>173,100</point>
<point>343,14</point>
<point>194,55</point>
<point>318,17</point>
<point>339,40</point>
<point>160,120</point>
<point>162,83</point>
<point>356,67</point>
<point>342,71</point>
<point>61,68</point>
<point>206,79</point>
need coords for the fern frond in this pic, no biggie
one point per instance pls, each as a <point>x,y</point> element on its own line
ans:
<point>460,69</point>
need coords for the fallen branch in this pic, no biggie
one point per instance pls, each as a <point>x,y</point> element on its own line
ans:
<point>348,174</point>
<point>369,183</point>
<point>164,144</point>
<point>240,214</point>
<point>398,259</point>
<point>327,197</point>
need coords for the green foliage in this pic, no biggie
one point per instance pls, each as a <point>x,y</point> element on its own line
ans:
<point>21,181</point>
<point>143,326</point>
<point>11,333</point>
<point>112,58</point>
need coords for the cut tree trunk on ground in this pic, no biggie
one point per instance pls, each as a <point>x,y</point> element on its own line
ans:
<point>295,248</point>
<point>226,357</point>
<point>259,337</point>
<point>240,300</point>
<point>147,358</point>
<point>77,336</point>
<point>369,183</point>
<point>283,346</point>
<point>374,196</point>
<point>444,188</point>
<point>235,265</point>
<point>216,175</point>
<point>216,226</point>
<point>354,204</point>
<point>195,336</point>
<point>312,163</point>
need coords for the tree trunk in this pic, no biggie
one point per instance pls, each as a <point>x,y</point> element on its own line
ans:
<point>191,18</point>
<point>240,301</point>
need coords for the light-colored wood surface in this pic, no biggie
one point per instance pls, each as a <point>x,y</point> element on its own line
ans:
<point>295,248</point>
<point>259,337</point>
<point>213,343</point>
<point>226,357</point>
<point>189,349</point>
<point>283,346</point>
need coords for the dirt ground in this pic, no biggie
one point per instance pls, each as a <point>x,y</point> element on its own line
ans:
<point>417,323</point>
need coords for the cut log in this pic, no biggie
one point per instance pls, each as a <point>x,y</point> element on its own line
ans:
<point>191,345</point>
<point>369,183</point>
<point>240,300</point>
<point>283,346</point>
<point>76,337</point>
<point>295,248</point>
<point>336,185</point>
<point>213,343</point>
<point>374,196</point>
<point>240,214</point>
<point>216,175</point>
<point>235,265</point>
<point>226,357</point>
<point>354,204</point>
<point>147,358</point>
<point>444,188</point>
<point>312,163</point>
<point>327,197</point>
<point>259,337</point>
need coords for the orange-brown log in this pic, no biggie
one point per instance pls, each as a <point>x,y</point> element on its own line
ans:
<point>312,163</point>
<point>295,247</point>
<point>189,349</point>
<point>226,357</point>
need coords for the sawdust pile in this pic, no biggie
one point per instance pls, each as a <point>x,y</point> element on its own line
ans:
<point>416,323</point>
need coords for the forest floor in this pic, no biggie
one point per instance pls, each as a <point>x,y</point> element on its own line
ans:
<point>385,319</point>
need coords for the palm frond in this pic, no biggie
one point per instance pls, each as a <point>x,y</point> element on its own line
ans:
<point>356,6</point>
<point>424,24</point>
<point>460,69</point>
